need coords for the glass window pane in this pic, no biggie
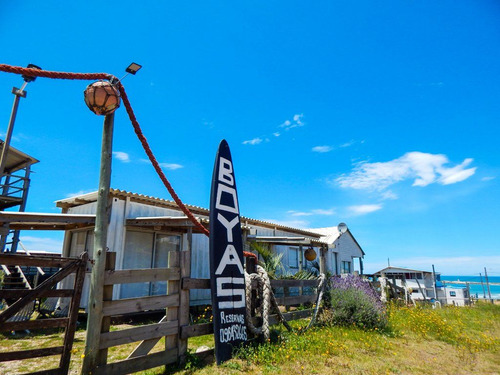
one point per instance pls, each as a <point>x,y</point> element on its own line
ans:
<point>163,245</point>
<point>138,254</point>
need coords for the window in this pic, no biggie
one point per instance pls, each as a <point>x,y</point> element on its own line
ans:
<point>346,267</point>
<point>147,250</point>
<point>453,294</point>
<point>293,257</point>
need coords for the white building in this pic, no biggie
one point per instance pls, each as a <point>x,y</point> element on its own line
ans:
<point>143,229</point>
<point>420,285</point>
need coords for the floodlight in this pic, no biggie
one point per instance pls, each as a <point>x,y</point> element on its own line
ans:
<point>133,68</point>
<point>28,78</point>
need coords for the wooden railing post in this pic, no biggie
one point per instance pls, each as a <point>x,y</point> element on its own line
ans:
<point>107,295</point>
<point>173,287</point>
<point>185,264</point>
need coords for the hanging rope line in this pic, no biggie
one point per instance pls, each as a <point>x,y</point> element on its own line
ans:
<point>96,76</point>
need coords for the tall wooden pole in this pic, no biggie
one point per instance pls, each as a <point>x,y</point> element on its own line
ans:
<point>488,284</point>
<point>94,307</point>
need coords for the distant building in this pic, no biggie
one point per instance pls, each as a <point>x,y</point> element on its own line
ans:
<point>420,285</point>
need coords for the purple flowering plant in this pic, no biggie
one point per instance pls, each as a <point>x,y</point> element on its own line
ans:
<point>353,301</point>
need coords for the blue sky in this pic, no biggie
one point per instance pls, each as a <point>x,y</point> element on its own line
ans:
<point>383,115</point>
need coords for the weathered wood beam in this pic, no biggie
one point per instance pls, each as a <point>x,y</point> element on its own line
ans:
<point>131,305</point>
<point>136,364</point>
<point>141,275</point>
<point>126,336</point>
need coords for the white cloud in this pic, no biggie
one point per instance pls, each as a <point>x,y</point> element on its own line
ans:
<point>295,123</point>
<point>122,156</point>
<point>171,166</point>
<point>363,209</point>
<point>459,265</point>
<point>487,178</point>
<point>276,134</point>
<point>33,243</point>
<point>298,213</point>
<point>322,149</point>
<point>348,144</point>
<point>319,211</point>
<point>423,168</point>
<point>253,142</point>
<point>290,223</point>
<point>78,193</point>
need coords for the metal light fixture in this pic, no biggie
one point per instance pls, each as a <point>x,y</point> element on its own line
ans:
<point>28,78</point>
<point>310,254</point>
<point>102,97</point>
<point>133,68</point>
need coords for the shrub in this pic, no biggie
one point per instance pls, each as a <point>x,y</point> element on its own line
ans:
<point>353,301</point>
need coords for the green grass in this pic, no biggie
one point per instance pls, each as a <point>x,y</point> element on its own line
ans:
<point>419,341</point>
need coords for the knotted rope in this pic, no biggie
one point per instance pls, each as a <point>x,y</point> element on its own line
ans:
<point>267,297</point>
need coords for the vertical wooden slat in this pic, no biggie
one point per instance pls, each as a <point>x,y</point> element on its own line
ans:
<point>73,314</point>
<point>107,295</point>
<point>95,303</point>
<point>171,342</point>
<point>183,314</point>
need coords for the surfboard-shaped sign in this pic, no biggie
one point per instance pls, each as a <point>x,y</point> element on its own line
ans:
<point>227,275</point>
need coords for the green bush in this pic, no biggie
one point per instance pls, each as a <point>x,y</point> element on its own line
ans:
<point>353,307</point>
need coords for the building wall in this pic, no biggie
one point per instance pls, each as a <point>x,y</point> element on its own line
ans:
<point>346,249</point>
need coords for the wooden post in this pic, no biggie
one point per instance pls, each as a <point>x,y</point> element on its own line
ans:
<point>173,287</point>
<point>488,284</point>
<point>185,263</point>
<point>94,306</point>
<point>107,295</point>
<point>322,259</point>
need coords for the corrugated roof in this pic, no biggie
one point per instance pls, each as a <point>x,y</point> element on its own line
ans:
<point>16,159</point>
<point>328,235</point>
<point>196,210</point>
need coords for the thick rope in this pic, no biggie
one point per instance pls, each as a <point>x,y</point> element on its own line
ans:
<point>264,287</point>
<point>267,296</point>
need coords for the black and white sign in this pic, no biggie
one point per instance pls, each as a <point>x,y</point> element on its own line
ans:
<point>227,275</point>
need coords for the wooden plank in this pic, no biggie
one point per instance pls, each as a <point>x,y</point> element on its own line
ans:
<point>69,335</point>
<point>150,331</point>
<point>183,313</point>
<point>172,313</point>
<point>131,305</point>
<point>128,366</point>
<point>18,293</point>
<point>34,217</point>
<point>145,346</point>
<point>54,371</point>
<point>142,275</point>
<point>32,353</point>
<point>296,300</point>
<point>107,295</point>
<point>294,283</point>
<point>34,261</point>
<point>196,330</point>
<point>34,324</point>
<point>33,293</point>
<point>189,283</point>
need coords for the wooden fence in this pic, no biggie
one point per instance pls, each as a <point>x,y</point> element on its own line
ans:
<point>175,325</point>
<point>25,297</point>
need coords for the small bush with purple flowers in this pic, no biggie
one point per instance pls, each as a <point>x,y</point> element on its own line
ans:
<point>353,301</point>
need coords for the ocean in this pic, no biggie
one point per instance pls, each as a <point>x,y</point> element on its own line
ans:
<point>477,289</point>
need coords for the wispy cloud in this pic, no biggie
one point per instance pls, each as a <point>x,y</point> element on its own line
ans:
<point>122,156</point>
<point>363,209</point>
<point>422,168</point>
<point>322,149</point>
<point>171,166</point>
<point>80,192</point>
<point>33,243</point>
<point>296,122</point>
<point>488,178</point>
<point>253,142</point>
<point>319,211</point>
